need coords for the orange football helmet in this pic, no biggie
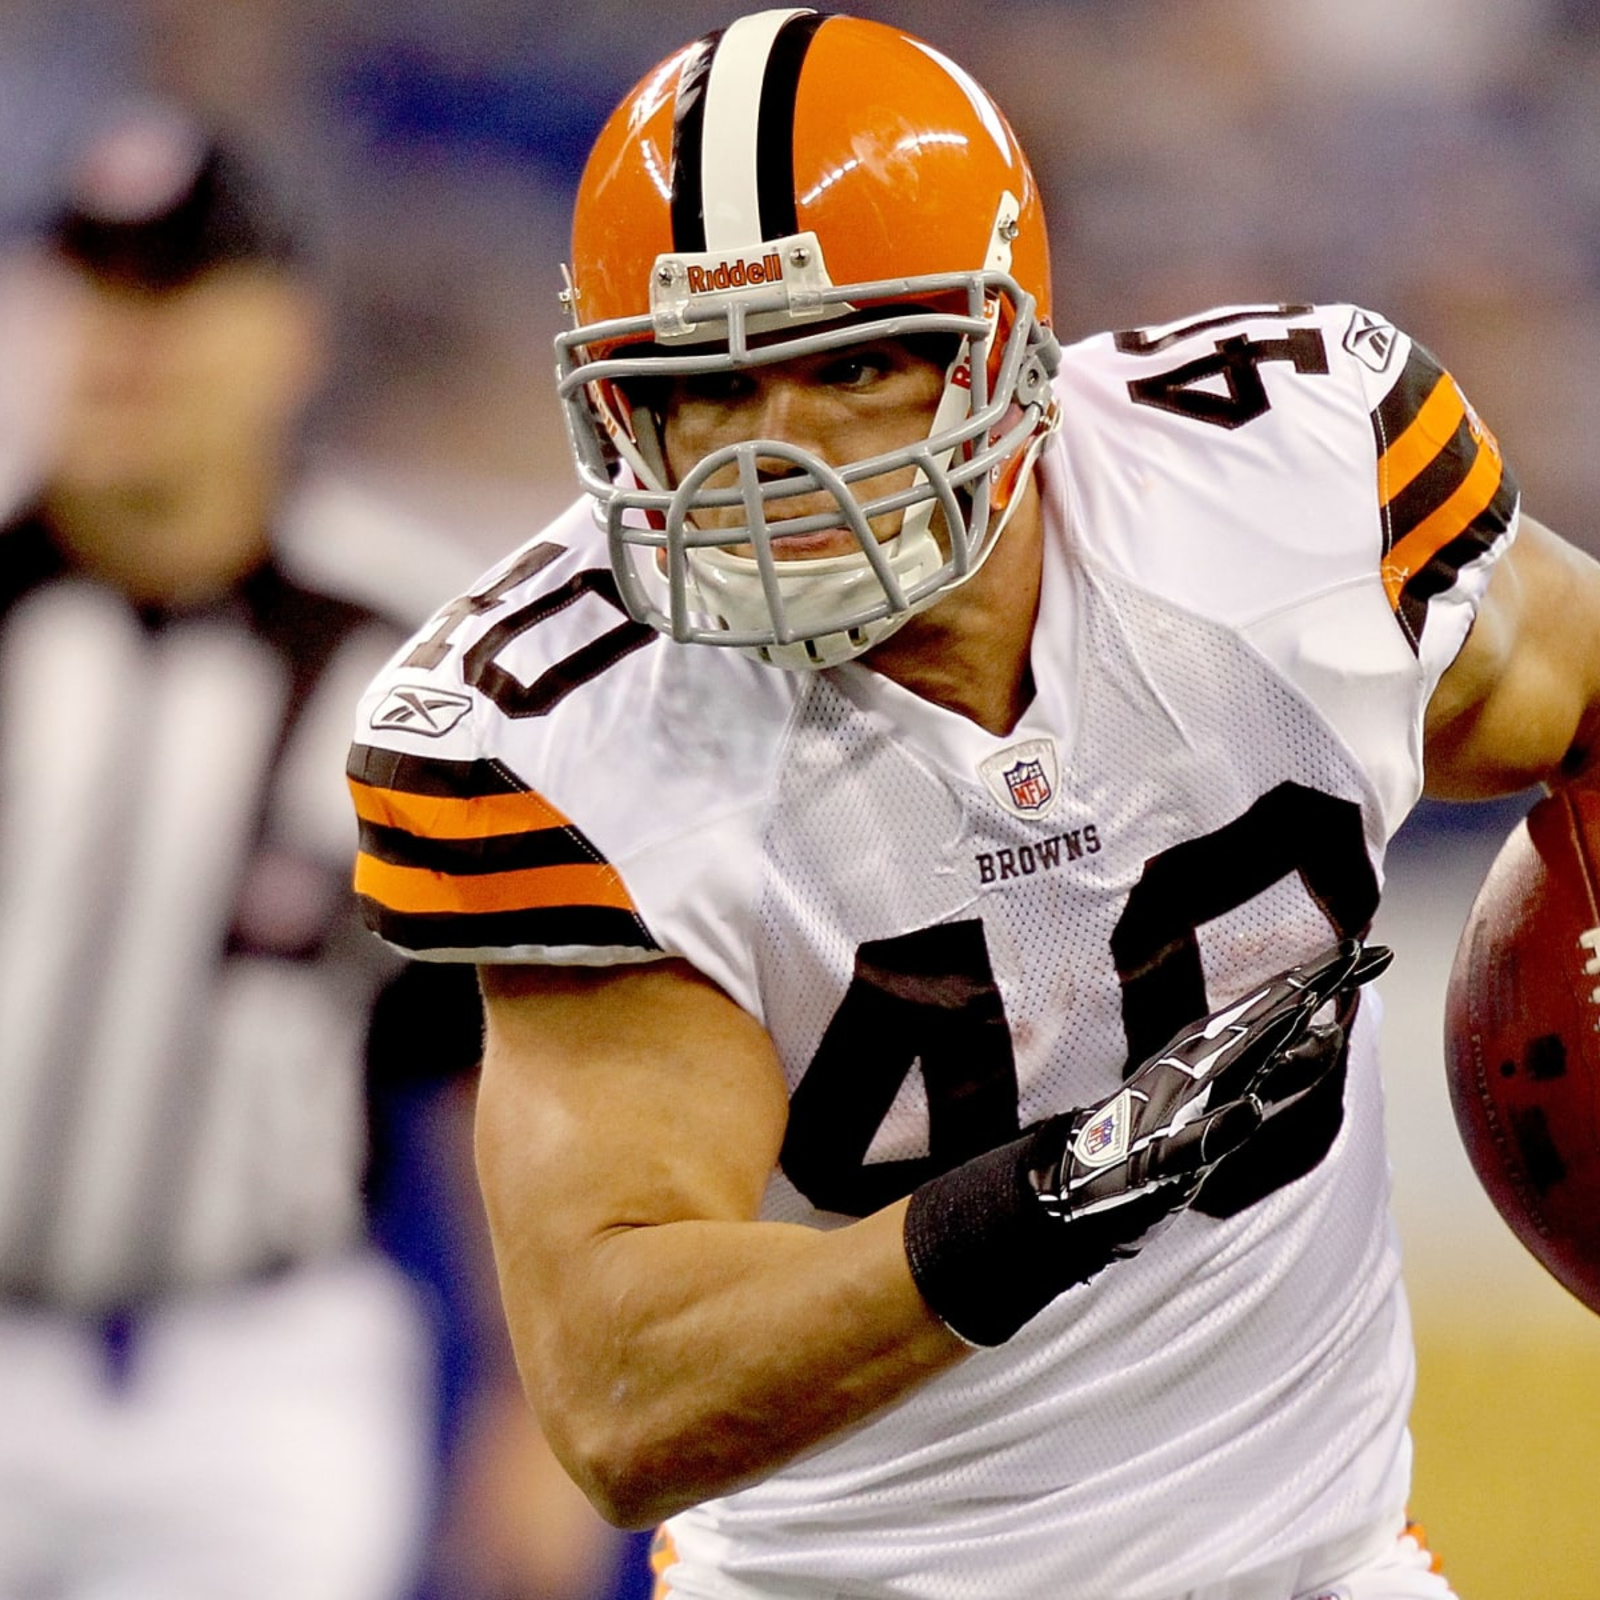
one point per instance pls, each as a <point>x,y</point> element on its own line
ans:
<point>793,184</point>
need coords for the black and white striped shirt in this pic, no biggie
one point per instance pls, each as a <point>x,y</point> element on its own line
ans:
<point>183,994</point>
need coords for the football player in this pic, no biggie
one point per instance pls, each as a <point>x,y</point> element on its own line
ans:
<point>917,820</point>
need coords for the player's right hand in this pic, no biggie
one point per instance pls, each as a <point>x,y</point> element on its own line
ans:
<point>991,1242</point>
<point>1141,1155</point>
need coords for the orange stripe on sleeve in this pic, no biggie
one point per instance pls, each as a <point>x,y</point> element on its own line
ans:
<point>1436,530</point>
<point>1424,437</point>
<point>446,817</point>
<point>418,891</point>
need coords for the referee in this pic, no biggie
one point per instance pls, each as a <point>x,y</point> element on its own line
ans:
<point>210,1385</point>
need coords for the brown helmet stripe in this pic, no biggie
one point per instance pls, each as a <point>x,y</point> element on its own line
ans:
<point>775,129</point>
<point>688,138</point>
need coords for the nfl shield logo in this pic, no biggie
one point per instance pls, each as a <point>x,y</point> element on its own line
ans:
<point>1098,1135</point>
<point>1105,1139</point>
<point>1029,785</point>
<point>1022,777</point>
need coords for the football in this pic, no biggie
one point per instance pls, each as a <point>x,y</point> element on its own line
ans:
<point>1522,1036</point>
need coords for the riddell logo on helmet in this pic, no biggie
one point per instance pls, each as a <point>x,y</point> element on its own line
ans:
<point>736,274</point>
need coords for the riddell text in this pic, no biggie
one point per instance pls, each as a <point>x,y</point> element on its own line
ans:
<point>998,865</point>
<point>735,274</point>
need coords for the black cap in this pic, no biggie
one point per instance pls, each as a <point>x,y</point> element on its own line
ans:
<point>157,198</point>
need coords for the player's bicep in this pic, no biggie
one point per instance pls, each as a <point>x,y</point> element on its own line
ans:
<point>617,1098</point>
<point>1521,702</point>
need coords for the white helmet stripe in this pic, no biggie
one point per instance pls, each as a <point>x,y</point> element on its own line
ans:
<point>730,193</point>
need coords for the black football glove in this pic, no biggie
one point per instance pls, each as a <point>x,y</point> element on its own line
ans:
<point>993,1241</point>
<point>1207,1092</point>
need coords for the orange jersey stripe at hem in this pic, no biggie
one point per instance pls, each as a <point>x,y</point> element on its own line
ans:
<point>663,1554</point>
<point>417,891</point>
<point>447,817</point>
<point>1436,530</point>
<point>1418,1535</point>
<point>1422,439</point>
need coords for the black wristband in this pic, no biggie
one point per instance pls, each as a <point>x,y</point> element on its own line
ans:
<point>984,1253</point>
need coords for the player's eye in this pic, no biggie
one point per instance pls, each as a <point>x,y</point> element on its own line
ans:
<point>858,369</point>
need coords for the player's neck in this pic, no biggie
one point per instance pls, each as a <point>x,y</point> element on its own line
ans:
<point>971,652</point>
<point>164,544</point>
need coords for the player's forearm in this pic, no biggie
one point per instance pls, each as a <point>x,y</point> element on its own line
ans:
<point>675,1362</point>
<point>677,1348</point>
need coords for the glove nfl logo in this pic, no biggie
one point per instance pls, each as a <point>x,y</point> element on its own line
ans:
<point>1104,1139</point>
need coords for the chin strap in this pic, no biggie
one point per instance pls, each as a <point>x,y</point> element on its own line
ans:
<point>730,587</point>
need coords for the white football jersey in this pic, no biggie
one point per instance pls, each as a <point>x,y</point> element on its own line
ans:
<point>1267,532</point>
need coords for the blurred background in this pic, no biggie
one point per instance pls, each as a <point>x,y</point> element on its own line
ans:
<point>1438,160</point>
